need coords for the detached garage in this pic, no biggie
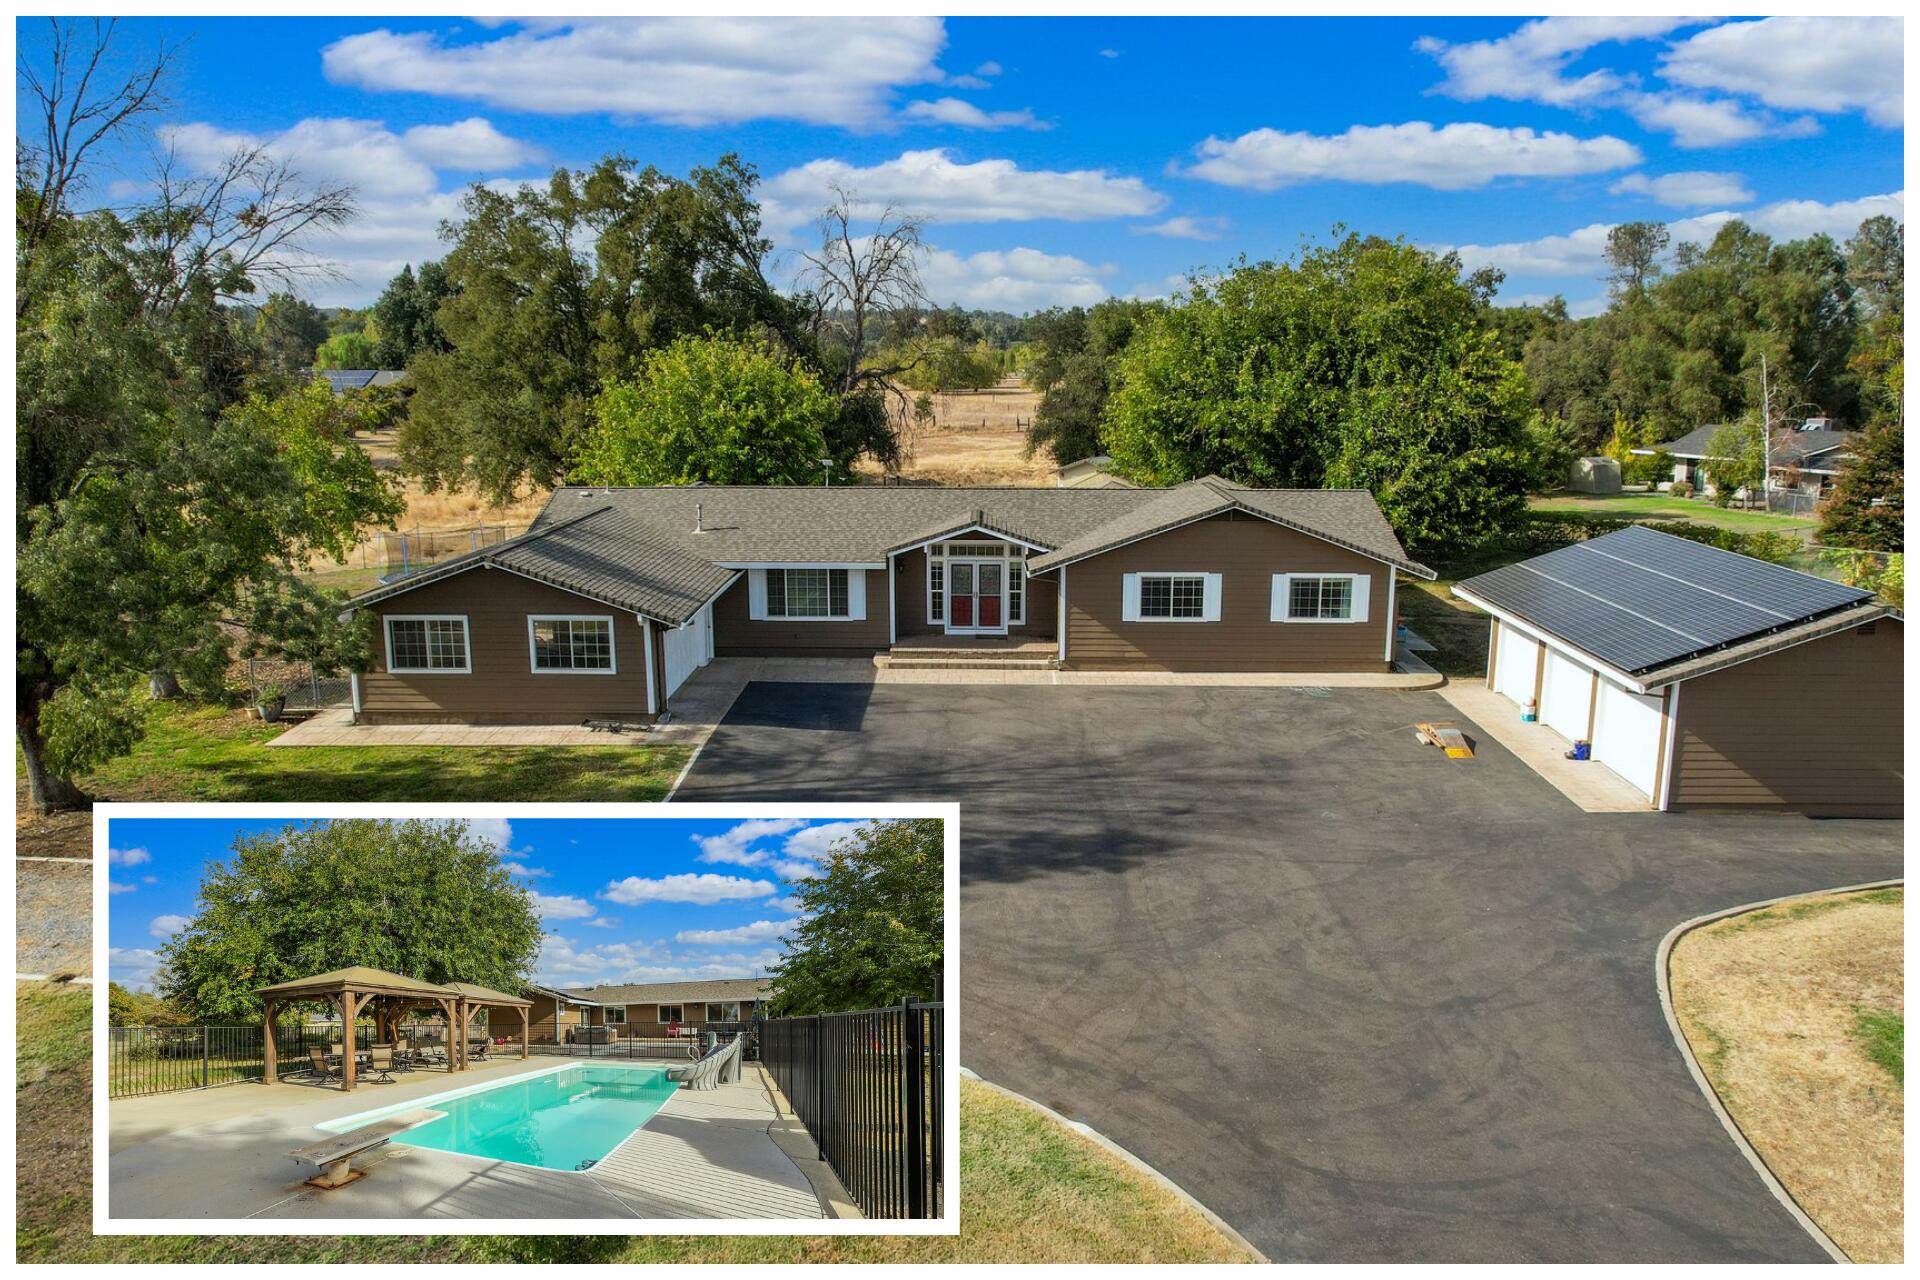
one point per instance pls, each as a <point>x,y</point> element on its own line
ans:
<point>1705,678</point>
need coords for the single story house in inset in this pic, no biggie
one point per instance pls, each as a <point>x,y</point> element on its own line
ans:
<point>646,1010</point>
<point>614,597</point>
<point>1805,462</point>
<point>1704,678</point>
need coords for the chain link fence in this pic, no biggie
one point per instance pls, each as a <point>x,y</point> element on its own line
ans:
<point>399,552</point>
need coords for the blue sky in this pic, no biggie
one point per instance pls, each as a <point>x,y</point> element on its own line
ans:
<point>624,900</point>
<point>1065,160</point>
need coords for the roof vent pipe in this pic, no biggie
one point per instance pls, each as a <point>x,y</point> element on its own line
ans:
<point>698,527</point>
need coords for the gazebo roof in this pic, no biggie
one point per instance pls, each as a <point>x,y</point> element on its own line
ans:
<point>357,978</point>
<point>477,994</point>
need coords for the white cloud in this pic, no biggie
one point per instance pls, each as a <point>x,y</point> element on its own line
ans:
<point>814,842</point>
<point>1017,280</point>
<point>1184,228</point>
<point>1800,64</point>
<point>788,904</point>
<point>704,888</point>
<point>933,184</point>
<point>1687,190</point>
<point>963,114</point>
<point>167,926</point>
<point>602,922</point>
<point>1583,252</point>
<point>795,869</point>
<point>565,963</point>
<point>1708,122</point>
<point>692,71</point>
<point>1454,157</point>
<point>1109,53</point>
<point>522,869</point>
<point>988,68</point>
<point>1531,64</point>
<point>741,935</point>
<point>562,907</point>
<point>733,844</point>
<point>127,857</point>
<point>132,967</point>
<point>115,887</point>
<point>497,832</point>
<point>396,181</point>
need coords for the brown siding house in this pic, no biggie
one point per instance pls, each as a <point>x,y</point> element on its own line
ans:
<point>614,597</point>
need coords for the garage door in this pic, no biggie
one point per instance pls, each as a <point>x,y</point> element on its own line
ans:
<point>688,649</point>
<point>1566,690</point>
<point>1627,730</point>
<point>1513,664</point>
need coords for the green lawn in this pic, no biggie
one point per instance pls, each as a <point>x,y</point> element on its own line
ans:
<point>1883,1034</point>
<point>1457,630</point>
<point>1033,1192</point>
<point>351,581</point>
<point>1658,506</point>
<point>206,753</point>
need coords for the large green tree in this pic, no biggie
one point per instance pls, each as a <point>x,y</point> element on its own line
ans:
<point>1072,369</point>
<point>1867,508</point>
<point>424,898</point>
<point>709,409</point>
<point>405,316</point>
<point>874,927</point>
<point>1362,364</point>
<point>149,509</point>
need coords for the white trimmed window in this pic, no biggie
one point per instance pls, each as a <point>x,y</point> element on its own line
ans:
<point>568,645</point>
<point>725,1012</point>
<point>1016,591</point>
<point>1170,597</point>
<point>936,586</point>
<point>669,1013</point>
<point>1319,597</point>
<point>419,644</point>
<point>813,593</point>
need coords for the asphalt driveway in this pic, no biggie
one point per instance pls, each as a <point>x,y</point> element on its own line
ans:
<point>1365,1002</point>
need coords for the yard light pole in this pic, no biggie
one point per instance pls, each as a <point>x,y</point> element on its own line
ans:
<point>826,472</point>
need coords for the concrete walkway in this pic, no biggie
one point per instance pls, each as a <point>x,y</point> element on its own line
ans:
<point>1588,783</point>
<point>222,1153</point>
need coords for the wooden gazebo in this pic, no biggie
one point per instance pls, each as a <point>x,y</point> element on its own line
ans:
<point>473,996</point>
<point>352,990</point>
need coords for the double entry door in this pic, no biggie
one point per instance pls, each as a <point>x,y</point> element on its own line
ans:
<point>976,595</point>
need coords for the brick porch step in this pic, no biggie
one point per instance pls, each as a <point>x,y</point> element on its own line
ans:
<point>966,660</point>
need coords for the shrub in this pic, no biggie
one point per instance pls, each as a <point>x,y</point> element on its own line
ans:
<point>1681,489</point>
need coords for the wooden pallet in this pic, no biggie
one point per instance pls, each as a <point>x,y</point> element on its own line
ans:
<point>1447,736</point>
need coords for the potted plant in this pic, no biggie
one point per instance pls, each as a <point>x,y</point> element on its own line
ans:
<point>270,702</point>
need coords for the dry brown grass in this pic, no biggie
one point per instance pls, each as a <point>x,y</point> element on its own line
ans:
<point>1768,1001</point>
<point>976,437</point>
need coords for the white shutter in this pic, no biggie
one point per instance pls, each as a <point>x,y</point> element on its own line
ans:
<point>1282,595</point>
<point>1362,588</point>
<point>857,594</point>
<point>1130,598</point>
<point>757,594</point>
<point>1211,604</point>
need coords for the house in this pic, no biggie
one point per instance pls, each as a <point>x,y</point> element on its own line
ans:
<point>1703,678</point>
<point>613,597</point>
<point>647,1010</point>
<point>1804,461</point>
<point>1089,473</point>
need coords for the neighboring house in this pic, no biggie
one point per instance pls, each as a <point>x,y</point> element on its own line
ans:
<point>1705,678</point>
<point>1089,473</point>
<point>648,1010</point>
<point>1805,461</point>
<point>614,597</point>
<point>341,380</point>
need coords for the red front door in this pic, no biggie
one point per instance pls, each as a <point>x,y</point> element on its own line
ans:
<point>960,607</point>
<point>974,595</point>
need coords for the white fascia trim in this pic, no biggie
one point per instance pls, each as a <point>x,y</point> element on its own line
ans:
<point>1673,740</point>
<point>646,645</point>
<point>1392,623</point>
<point>1001,534</point>
<point>799,564</point>
<point>1060,614</point>
<point>893,622</point>
<point>1559,646</point>
<point>533,652</point>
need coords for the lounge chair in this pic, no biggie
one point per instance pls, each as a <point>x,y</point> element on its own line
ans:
<point>477,1050</point>
<point>319,1067</point>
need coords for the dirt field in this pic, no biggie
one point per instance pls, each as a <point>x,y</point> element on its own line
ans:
<point>976,437</point>
<point>1772,1003</point>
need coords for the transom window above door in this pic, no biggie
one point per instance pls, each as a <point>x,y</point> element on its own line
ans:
<point>571,645</point>
<point>965,569</point>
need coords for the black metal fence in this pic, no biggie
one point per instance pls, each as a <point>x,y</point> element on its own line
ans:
<point>870,1088</point>
<point>143,1060</point>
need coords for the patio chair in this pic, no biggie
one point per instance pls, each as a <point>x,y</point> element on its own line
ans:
<point>478,1050</point>
<point>319,1067</point>
<point>380,1070</point>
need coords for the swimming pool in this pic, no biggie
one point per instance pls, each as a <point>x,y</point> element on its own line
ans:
<point>567,1118</point>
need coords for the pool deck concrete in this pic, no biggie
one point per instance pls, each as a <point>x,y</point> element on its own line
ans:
<point>223,1154</point>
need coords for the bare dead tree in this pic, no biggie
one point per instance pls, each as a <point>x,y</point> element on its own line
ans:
<point>858,277</point>
<point>75,102</point>
<point>233,228</point>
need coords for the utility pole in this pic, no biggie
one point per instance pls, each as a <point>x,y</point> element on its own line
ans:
<point>1766,439</point>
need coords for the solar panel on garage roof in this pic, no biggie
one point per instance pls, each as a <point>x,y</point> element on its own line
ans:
<point>347,379</point>
<point>1639,599</point>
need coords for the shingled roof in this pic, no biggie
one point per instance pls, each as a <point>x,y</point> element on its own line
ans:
<point>665,551</point>
<point>715,989</point>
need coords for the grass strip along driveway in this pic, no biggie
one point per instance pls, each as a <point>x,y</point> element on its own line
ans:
<point>1033,1191</point>
<point>1794,1014</point>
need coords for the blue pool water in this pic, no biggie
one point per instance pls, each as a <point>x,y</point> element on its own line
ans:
<point>562,1119</point>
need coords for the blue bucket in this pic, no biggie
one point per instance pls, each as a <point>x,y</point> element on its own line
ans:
<point>1582,750</point>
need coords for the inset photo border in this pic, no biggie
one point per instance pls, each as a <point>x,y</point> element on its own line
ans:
<point>611,1019</point>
